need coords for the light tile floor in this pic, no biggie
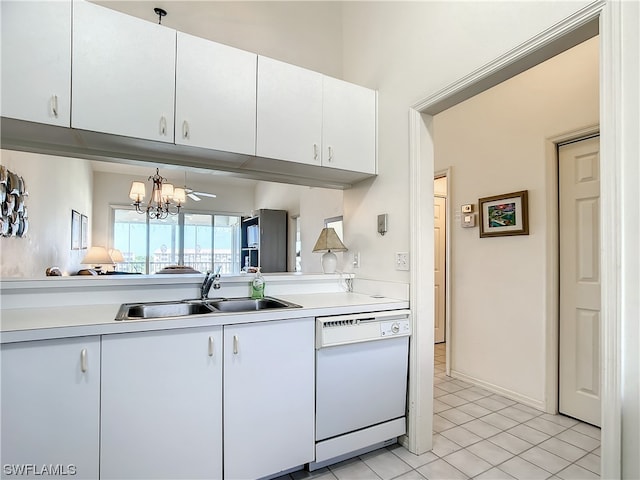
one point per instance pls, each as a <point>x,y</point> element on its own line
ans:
<point>480,435</point>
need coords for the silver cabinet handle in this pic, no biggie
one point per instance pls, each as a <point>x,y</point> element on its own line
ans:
<point>163,125</point>
<point>330,154</point>
<point>54,105</point>
<point>236,343</point>
<point>315,151</point>
<point>83,360</point>
<point>211,347</point>
<point>185,129</point>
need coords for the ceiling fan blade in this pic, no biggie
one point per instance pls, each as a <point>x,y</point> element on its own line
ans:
<point>193,197</point>
<point>205,194</point>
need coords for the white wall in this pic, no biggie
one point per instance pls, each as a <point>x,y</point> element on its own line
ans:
<point>313,206</point>
<point>495,143</point>
<point>407,51</point>
<point>56,185</point>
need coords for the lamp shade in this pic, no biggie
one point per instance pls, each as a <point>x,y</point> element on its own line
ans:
<point>137,191</point>
<point>328,241</point>
<point>116,255</point>
<point>179,195</point>
<point>97,256</point>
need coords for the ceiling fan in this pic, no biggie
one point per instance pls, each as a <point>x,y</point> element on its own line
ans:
<point>193,195</point>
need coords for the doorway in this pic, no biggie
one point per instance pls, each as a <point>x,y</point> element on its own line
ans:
<point>579,379</point>
<point>440,257</point>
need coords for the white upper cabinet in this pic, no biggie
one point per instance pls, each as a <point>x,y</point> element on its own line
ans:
<point>289,112</point>
<point>50,407</point>
<point>306,117</point>
<point>349,126</point>
<point>123,74</point>
<point>36,61</point>
<point>215,96</point>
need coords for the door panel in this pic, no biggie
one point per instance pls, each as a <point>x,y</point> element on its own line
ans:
<point>579,180</point>
<point>439,209</point>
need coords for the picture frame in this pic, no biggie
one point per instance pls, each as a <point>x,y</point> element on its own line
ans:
<point>504,215</point>
<point>84,232</point>
<point>75,230</point>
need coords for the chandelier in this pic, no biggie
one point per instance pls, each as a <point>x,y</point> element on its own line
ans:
<point>160,203</point>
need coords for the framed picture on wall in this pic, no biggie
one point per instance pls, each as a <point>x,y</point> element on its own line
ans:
<point>504,215</point>
<point>84,232</point>
<point>75,230</point>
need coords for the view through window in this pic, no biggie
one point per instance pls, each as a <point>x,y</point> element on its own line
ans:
<point>202,241</point>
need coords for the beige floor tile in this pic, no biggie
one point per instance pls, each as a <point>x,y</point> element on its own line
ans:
<point>412,460</point>
<point>586,429</point>
<point>456,416</point>
<point>591,462</point>
<point>481,428</point>
<point>545,426</point>
<point>440,469</point>
<point>516,414</point>
<point>545,460</point>
<point>461,436</point>
<point>576,472</point>
<point>491,404</point>
<point>528,434</point>
<point>442,446</point>
<point>452,399</point>
<point>321,474</point>
<point>563,449</point>
<point>467,463</point>
<point>579,440</point>
<point>490,452</point>
<point>440,424</point>
<point>510,443</point>
<point>353,469</point>
<point>473,409</point>
<point>494,474</point>
<point>499,421</point>
<point>385,464</point>
<point>523,470</point>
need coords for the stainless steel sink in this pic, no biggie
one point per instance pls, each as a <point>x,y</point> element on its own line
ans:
<point>186,308</point>
<point>132,311</point>
<point>249,304</point>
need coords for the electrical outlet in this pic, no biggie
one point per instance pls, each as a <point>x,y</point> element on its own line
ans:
<point>402,260</point>
<point>356,260</point>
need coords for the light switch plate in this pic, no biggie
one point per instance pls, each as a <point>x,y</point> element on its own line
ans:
<point>402,261</point>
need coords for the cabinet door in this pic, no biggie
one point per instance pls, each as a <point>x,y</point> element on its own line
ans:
<point>268,397</point>
<point>162,404</point>
<point>349,126</point>
<point>289,112</point>
<point>215,96</point>
<point>123,74</point>
<point>51,407</point>
<point>36,61</point>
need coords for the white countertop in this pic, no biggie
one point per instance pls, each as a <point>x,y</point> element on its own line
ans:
<point>73,321</point>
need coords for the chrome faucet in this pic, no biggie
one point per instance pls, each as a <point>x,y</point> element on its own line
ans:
<point>210,280</point>
<point>216,278</point>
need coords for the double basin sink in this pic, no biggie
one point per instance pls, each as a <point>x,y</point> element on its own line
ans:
<point>186,308</point>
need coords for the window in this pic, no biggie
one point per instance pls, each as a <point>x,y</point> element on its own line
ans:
<point>202,241</point>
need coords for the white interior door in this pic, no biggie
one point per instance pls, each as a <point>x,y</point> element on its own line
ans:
<point>579,180</point>
<point>440,249</point>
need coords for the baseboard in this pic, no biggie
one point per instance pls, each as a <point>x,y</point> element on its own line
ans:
<point>516,397</point>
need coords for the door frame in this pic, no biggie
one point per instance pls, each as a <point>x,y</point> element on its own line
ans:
<point>446,173</point>
<point>552,294</point>
<point>607,15</point>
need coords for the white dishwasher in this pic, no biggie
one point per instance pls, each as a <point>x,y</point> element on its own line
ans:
<point>361,383</point>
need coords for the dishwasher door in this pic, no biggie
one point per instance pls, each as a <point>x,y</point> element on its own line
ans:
<point>359,385</point>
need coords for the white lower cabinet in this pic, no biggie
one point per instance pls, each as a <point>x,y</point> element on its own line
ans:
<point>162,405</point>
<point>268,397</point>
<point>50,408</point>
